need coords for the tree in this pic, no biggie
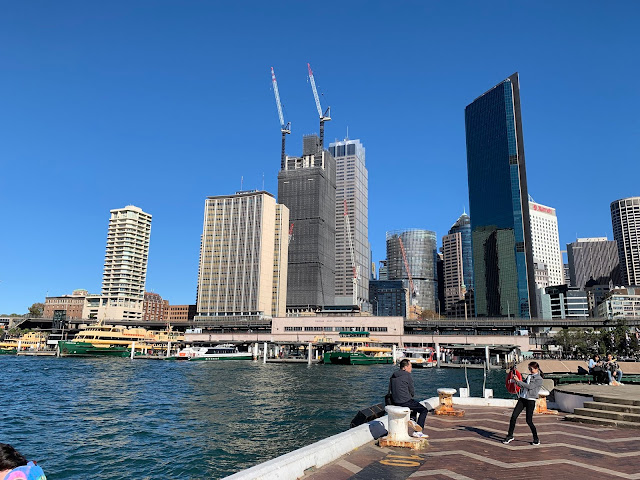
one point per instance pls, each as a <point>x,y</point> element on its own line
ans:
<point>36,310</point>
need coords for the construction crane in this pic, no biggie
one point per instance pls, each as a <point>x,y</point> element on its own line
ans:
<point>327,113</point>
<point>406,266</point>
<point>286,130</point>
<point>353,259</point>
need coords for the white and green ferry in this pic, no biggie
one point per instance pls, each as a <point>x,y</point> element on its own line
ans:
<point>225,351</point>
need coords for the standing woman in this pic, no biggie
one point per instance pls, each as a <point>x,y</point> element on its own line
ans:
<point>526,400</point>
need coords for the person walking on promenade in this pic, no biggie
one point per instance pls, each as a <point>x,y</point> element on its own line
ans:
<point>526,401</point>
<point>402,392</point>
<point>613,369</point>
<point>13,466</point>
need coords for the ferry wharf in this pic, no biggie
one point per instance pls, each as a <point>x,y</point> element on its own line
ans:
<point>470,447</point>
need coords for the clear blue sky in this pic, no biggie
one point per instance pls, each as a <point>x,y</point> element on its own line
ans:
<point>161,103</point>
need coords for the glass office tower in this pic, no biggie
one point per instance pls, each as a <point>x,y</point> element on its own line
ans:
<point>498,199</point>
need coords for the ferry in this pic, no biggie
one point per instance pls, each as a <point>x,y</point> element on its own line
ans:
<point>113,340</point>
<point>28,341</point>
<point>358,348</point>
<point>225,351</point>
<point>420,357</point>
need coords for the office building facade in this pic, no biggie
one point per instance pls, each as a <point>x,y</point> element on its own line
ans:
<point>388,298</point>
<point>243,259</point>
<point>545,241</point>
<point>561,301</point>
<point>420,251</point>
<point>463,226</point>
<point>593,259</point>
<point>503,270</point>
<point>352,189</point>
<point>625,218</point>
<point>125,265</point>
<point>621,303</point>
<point>307,187</point>
<point>452,271</point>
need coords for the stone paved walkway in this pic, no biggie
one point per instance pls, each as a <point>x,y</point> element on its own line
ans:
<point>470,448</point>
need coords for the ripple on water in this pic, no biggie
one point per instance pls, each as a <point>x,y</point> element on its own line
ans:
<point>107,418</point>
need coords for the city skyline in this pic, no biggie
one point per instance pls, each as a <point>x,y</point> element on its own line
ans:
<point>163,100</point>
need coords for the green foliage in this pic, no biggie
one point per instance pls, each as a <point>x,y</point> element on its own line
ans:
<point>618,339</point>
<point>36,310</point>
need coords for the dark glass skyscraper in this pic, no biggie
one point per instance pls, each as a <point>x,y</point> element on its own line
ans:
<point>504,280</point>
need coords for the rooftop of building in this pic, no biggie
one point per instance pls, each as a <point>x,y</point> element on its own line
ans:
<point>242,193</point>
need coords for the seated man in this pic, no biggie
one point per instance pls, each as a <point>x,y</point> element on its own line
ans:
<point>596,369</point>
<point>402,392</point>
<point>613,370</point>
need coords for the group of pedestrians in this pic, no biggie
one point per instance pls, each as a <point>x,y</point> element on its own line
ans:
<point>605,372</point>
<point>402,392</point>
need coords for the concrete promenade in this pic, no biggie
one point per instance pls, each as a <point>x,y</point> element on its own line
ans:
<point>470,447</point>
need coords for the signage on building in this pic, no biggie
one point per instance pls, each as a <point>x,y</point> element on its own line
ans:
<point>540,208</point>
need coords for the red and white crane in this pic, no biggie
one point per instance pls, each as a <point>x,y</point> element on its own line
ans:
<point>324,117</point>
<point>353,259</point>
<point>285,130</point>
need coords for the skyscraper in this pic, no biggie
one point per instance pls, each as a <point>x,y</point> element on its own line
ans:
<point>352,186</point>
<point>243,259</point>
<point>545,241</point>
<point>307,186</point>
<point>593,258</point>
<point>498,199</point>
<point>125,264</point>
<point>453,271</point>
<point>420,252</point>
<point>625,217</point>
<point>463,225</point>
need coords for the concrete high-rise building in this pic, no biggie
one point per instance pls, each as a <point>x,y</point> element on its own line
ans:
<point>421,253</point>
<point>383,271</point>
<point>243,259</point>
<point>453,271</point>
<point>545,241</point>
<point>352,187</point>
<point>625,218</point>
<point>307,186</point>
<point>463,226</point>
<point>503,270</point>
<point>125,264</point>
<point>593,258</point>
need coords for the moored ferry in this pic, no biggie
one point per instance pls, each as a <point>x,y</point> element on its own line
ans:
<point>113,340</point>
<point>420,357</point>
<point>28,341</point>
<point>219,352</point>
<point>358,348</point>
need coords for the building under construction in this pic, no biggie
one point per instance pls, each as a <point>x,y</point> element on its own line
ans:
<point>411,257</point>
<point>307,186</point>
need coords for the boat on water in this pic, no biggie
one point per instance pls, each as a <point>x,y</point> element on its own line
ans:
<point>32,341</point>
<point>358,348</point>
<point>113,340</point>
<point>225,351</point>
<point>420,357</point>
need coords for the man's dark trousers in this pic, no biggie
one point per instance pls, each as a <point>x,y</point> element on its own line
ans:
<point>417,408</point>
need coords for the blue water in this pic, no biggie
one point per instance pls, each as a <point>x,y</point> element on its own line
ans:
<point>113,418</point>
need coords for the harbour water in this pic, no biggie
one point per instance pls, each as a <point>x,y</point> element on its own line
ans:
<point>113,418</point>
